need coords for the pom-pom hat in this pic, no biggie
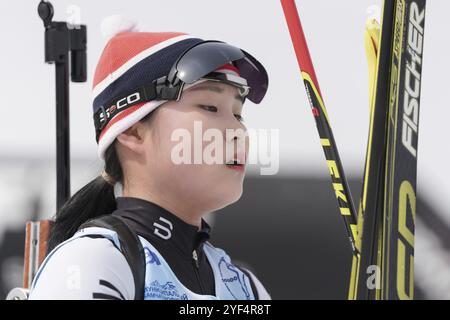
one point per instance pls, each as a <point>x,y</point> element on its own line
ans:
<point>139,71</point>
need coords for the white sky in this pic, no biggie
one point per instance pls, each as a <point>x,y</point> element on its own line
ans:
<point>335,34</point>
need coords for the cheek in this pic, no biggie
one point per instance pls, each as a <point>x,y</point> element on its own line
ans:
<point>169,127</point>
<point>184,130</point>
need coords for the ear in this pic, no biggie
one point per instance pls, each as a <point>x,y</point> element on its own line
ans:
<point>133,138</point>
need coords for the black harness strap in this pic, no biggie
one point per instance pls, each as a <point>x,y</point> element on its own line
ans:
<point>252,284</point>
<point>131,248</point>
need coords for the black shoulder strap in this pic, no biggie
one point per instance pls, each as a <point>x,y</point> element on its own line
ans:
<point>131,248</point>
<point>252,284</point>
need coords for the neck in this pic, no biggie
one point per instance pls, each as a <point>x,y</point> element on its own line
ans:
<point>188,215</point>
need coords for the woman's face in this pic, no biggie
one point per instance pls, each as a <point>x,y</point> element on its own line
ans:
<point>198,131</point>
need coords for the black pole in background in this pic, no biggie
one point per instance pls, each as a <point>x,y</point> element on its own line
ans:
<point>62,133</point>
<point>60,38</point>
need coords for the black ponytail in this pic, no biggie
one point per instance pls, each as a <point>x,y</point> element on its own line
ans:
<point>93,200</point>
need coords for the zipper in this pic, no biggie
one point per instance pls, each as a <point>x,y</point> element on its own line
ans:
<point>196,268</point>
<point>195,257</point>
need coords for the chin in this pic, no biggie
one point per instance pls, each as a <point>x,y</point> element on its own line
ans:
<point>221,189</point>
<point>226,198</point>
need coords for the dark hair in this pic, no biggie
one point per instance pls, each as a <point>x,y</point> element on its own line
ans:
<point>93,200</point>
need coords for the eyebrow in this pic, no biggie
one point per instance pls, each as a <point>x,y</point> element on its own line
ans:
<point>217,90</point>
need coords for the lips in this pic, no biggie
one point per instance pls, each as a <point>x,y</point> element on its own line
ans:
<point>237,160</point>
<point>236,164</point>
<point>233,163</point>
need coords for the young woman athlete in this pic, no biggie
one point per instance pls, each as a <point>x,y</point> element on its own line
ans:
<point>150,92</point>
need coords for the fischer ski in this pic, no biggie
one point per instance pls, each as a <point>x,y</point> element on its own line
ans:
<point>365,276</point>
<point>401,152</point>
<point>371,39</point>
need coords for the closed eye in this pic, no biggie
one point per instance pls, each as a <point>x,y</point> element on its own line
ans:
<point>209,108</point>
<point>215,109</point>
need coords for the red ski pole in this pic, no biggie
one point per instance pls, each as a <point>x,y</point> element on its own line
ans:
<point>339,182</point>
